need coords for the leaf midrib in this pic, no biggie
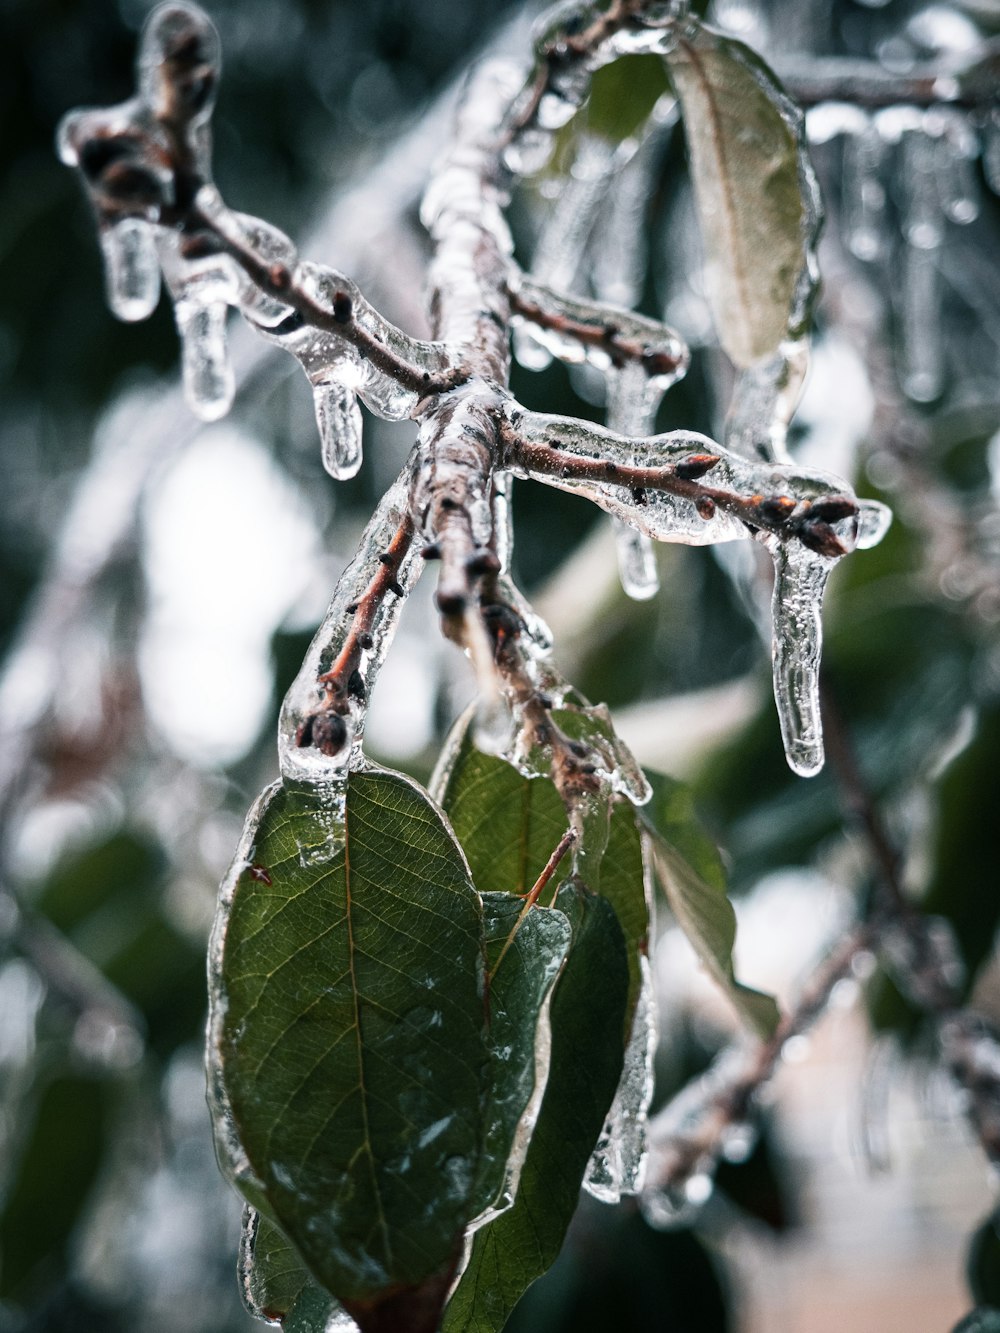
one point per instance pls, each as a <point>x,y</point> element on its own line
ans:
<point>356,997</point>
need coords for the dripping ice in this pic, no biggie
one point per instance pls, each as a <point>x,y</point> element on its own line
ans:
<point>617,1166</point>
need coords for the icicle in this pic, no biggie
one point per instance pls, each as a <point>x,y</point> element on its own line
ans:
<point>920,300</point>
<point>325,356</point>
<point>923,225</point>
<point>209,384</point>
<point>797,637</point>
<point>631,410</point>
<point>637,570</point>
<point>765,397</point>
<point>866,231</point>
<point>563,238</point>
<point>955,151</point>
<point>559,250</point>
<point>131,268</point>
<point>619,244</point>
<point>618,1163</point>
<point>503,519</point>
<point>991,149</point>
<point>339,420</point>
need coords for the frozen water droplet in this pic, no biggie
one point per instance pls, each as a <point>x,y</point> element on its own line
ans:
<point>636,562</point>
<point>131,268</point>
<point>528,351</point>
<point>339,420</point>
<point>797,636</point>
<point>618,1163</point>
<point>209,385</point>
<point>874,519</point>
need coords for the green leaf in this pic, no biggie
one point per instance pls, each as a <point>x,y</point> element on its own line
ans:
<point>275,1280</point>
<point>691,875</point>
<point>622,95</point>
<point>509,825</point>
<point>523,958</point>
<point>49,1183</point>
<point>347,1037</point>
<point>587,1014</point>
<point>748,171</point>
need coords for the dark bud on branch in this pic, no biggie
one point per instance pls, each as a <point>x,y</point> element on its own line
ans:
<point>326,731</point>
<point>695,466</point>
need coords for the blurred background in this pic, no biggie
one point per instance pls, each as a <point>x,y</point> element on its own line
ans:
<point>160,579</point>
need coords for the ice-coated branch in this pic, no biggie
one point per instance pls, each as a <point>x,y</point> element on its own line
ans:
<point>693,1131</point>
<point>865,83</point>
<point>605,335</point>
<point>920,951</point>
<point>146,165</point>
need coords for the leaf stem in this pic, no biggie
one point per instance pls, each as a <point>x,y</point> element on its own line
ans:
<point>531,898</point>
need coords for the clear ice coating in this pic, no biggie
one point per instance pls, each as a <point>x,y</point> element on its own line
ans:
<point>632,401</point>
<point>764,400</point>
<point>337,633</point>
<point>209,384</point>
<point>339,420</point>
<point>800,572</point>
<point>617,1165</point>
<point>131,268</point>
<point>800,578</point>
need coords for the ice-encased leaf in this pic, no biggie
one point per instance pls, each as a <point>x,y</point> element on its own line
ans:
<point>523,958</point>
<point>509,825</point>
<point>586,1015</point>
<point>346,1046</point>
<point>694,882</point>
<point>275,1283</point>
<point>753,191</point>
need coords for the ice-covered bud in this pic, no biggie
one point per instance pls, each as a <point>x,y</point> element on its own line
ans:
<point>117,155</point>
<point>179,65</point>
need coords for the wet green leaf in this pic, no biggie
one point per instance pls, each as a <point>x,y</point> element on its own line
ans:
<point>347,1035</point>
<point>523,958</point>
<point>509,825</point>
<point>275,1280</point>
<point>587,1014</point>
<point>691,875</point>
<point>745,167</point>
